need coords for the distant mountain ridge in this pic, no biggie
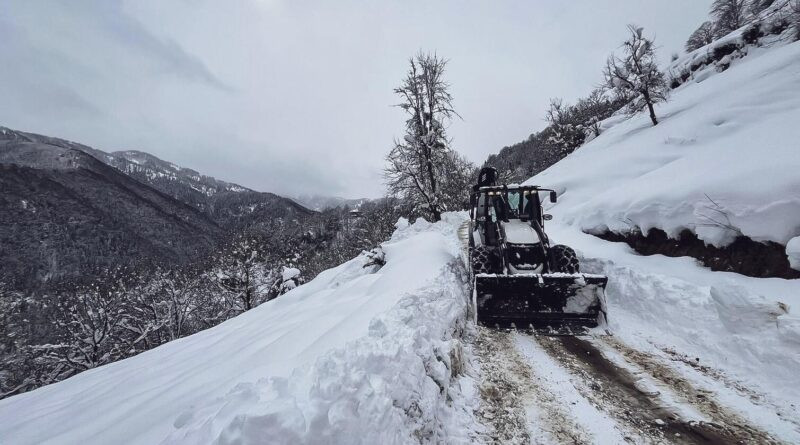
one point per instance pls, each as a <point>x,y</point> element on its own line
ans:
<point>67,208</point>
<point>227,203</point>
<point>319,202</point>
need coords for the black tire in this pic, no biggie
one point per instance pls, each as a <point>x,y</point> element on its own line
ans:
<point>483,260</point>
<point>563,259</point>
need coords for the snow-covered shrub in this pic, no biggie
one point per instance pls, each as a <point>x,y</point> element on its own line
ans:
<point>565,132</point>
<point>752,33</point>
<point>729,15</point>
<point>375,258</point>
<point>290,279</point>
<point>701,37</point>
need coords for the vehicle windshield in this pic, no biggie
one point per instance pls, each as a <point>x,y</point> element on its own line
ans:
<point>514,198</point>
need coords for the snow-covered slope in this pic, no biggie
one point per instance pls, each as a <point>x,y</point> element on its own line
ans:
<point>357,355</point>
<point>730,136</point>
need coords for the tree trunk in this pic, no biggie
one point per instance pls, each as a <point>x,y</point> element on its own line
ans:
<point>434,208</point>
<point>436,214</point>
<point>649,102</point>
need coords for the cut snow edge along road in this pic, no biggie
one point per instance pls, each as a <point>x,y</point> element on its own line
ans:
<point>390,355</point>
<point>362,353</point>
<point>716,352</point>
<point>635,385</point>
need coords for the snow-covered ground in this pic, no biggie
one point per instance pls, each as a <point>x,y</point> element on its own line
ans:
<point>363,354</point>
<point>357,355</point>
<point>734,336</point>
<point>730,137</point>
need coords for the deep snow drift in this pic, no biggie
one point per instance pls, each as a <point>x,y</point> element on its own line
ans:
<point>357,355</point>
<point>730,136</point>
<point>725,150</point>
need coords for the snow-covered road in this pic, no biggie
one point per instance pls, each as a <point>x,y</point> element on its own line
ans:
<point>390,355</point>
<point>603,388</point>
<point>599,390</point>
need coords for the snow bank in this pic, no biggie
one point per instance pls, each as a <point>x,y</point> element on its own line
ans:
<point>722,161</point>
<point>793,252</point>
<point>357,355</point>
<point>745,327</point>
<point>771,27</point>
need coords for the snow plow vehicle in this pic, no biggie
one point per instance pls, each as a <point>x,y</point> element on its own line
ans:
<point>519,280</point>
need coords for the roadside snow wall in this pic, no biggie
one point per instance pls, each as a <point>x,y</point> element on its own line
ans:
<point>723,161</point>
<point>357,355</point>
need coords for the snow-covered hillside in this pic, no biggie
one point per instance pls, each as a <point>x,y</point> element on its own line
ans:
<point>383,349</point>
<point>360,354</point>
<point>731,137</point>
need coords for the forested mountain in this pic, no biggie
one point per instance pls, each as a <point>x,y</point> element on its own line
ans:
<point>229,205</point>
<point>64,213</point>
<point>70,210</point>
<point>320,202</point>
<point>135,252</point>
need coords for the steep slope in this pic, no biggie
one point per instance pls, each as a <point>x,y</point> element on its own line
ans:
<point>358,355</point>
<point>722,163</point>
<point>63,212</point>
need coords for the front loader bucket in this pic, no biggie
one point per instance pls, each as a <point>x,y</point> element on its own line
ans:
<point>555,304</point>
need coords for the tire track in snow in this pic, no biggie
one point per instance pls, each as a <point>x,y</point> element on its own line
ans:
<point>517,405</point>
<point>736,389</point>
<point>503,388</point>
<point>723,420</point>
<point>629,398</point>
<point>559,392</point>
<point>601,383</point>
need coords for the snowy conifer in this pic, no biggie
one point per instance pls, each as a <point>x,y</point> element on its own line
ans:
<point>636,74</point>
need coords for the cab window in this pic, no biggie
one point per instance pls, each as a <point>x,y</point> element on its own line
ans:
<point>513,203</point>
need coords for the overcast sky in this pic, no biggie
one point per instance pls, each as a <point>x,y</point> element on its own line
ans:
<point>295,96</point>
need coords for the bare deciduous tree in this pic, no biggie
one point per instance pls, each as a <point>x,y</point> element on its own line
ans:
<point>701,37</point>
<point>243,275</point>
<point>91,327</point>
<point>729,15</point>
<point>636,74</point>
<point>418,164</point>
<point>758,6</point>
<point>566,133</point>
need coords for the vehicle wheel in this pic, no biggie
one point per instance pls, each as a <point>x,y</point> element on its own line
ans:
<point>483,260</point>
<point>563,259</point>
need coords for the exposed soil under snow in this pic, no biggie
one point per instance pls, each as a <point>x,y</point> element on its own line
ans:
<point>505,384</point>
<point>623,395</point>
<point>744,256</point>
